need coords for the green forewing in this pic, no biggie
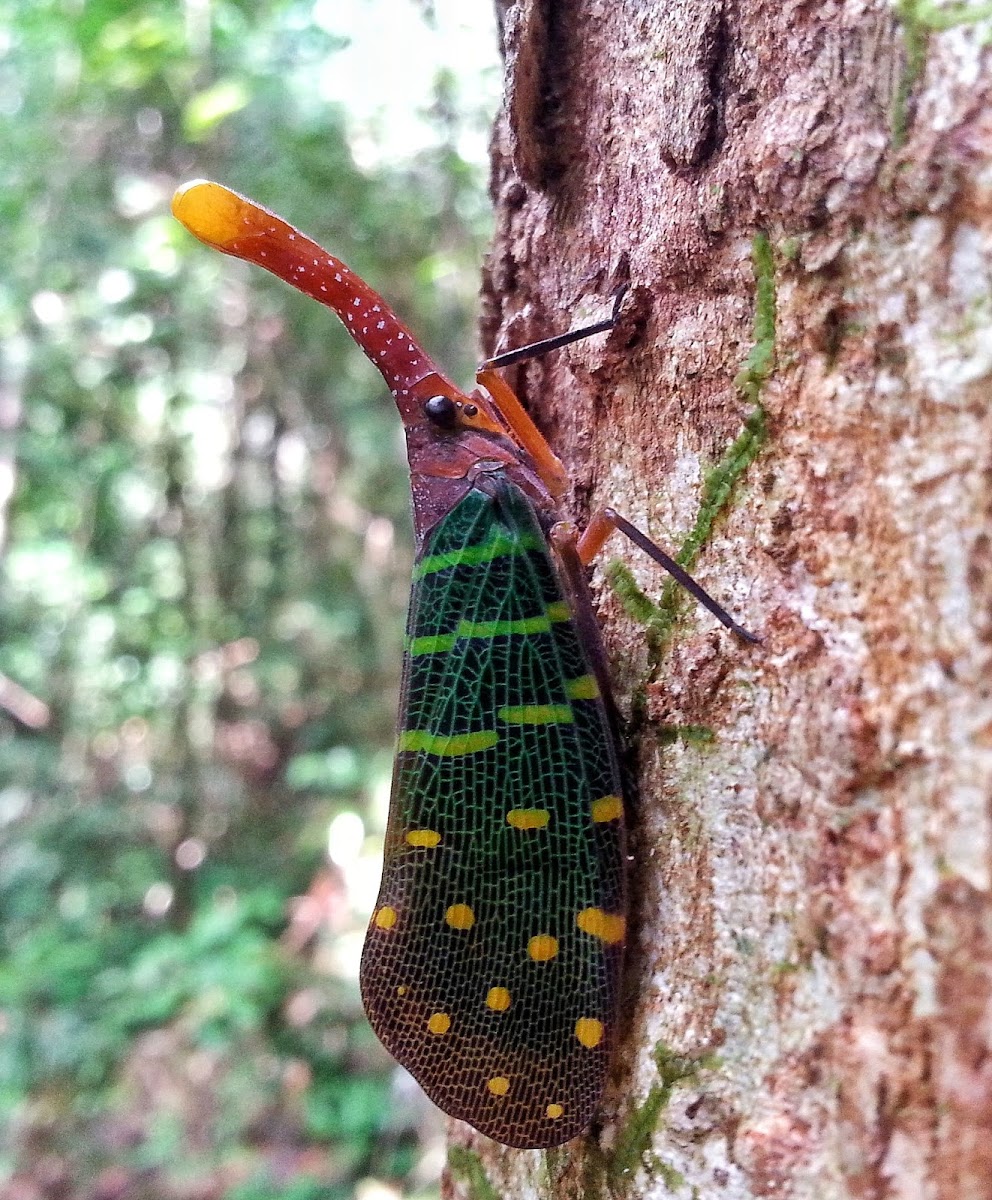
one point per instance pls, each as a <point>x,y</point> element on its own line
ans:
<point>492,966</point>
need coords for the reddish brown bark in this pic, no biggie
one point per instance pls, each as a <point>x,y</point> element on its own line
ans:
<point>814,918</point>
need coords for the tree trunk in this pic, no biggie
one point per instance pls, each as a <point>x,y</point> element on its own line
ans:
<point>810,968</point>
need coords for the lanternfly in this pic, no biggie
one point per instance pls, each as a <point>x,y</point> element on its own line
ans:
<point>491,969</point>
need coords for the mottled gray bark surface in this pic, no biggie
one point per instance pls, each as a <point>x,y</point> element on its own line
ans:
<point>810,975</point>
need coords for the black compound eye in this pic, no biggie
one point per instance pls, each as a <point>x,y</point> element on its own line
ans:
<point>441,411</point>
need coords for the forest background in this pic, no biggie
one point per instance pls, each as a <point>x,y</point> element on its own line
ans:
<point>205,558</point>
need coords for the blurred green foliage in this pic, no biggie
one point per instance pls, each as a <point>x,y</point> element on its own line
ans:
<point>205,560</point>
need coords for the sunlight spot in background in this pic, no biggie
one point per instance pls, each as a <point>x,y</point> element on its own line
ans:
<point>345,836</point>
<point>136,195</point>
<point>115,285</point>
<point>293,465</point>
<point>158,899</point>
<point>363,882</point>
<point>386,75</point>
<point>375,1189</point>
<point>48,307</point>
<point>359,859</point>
<point>346,848</point>
<point>190,854</point>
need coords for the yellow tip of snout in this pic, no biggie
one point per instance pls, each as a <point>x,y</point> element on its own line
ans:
<point>213,213</point>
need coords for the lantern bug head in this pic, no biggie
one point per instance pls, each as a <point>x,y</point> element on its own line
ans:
<point>452,436</point>
<point>424,396</point>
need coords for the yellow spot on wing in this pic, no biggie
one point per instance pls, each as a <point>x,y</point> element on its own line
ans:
<point>608,927</point>
<point>558,610</point>
<point>542,947</point>
<point>607,808</point>
<point>460,916</point>
<point>583,688</point>
<point>447,745</point>
<point>536,714</point>
<point>554,1111</point>
<point>385,917</point>
<point>528,818</point>
<point>499,1085</point>
<point>423,837</point>
<point>439,1022</point>
<point>498,999</point>
<point>589,1031</point>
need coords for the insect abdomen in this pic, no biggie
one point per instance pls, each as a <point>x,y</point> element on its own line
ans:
<point>491,969</point>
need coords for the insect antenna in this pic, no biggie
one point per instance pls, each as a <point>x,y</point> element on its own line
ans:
<point>546,345</point>
<point>679,574</point>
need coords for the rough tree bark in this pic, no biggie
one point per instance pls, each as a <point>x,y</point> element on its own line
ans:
<point>810,974</point>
